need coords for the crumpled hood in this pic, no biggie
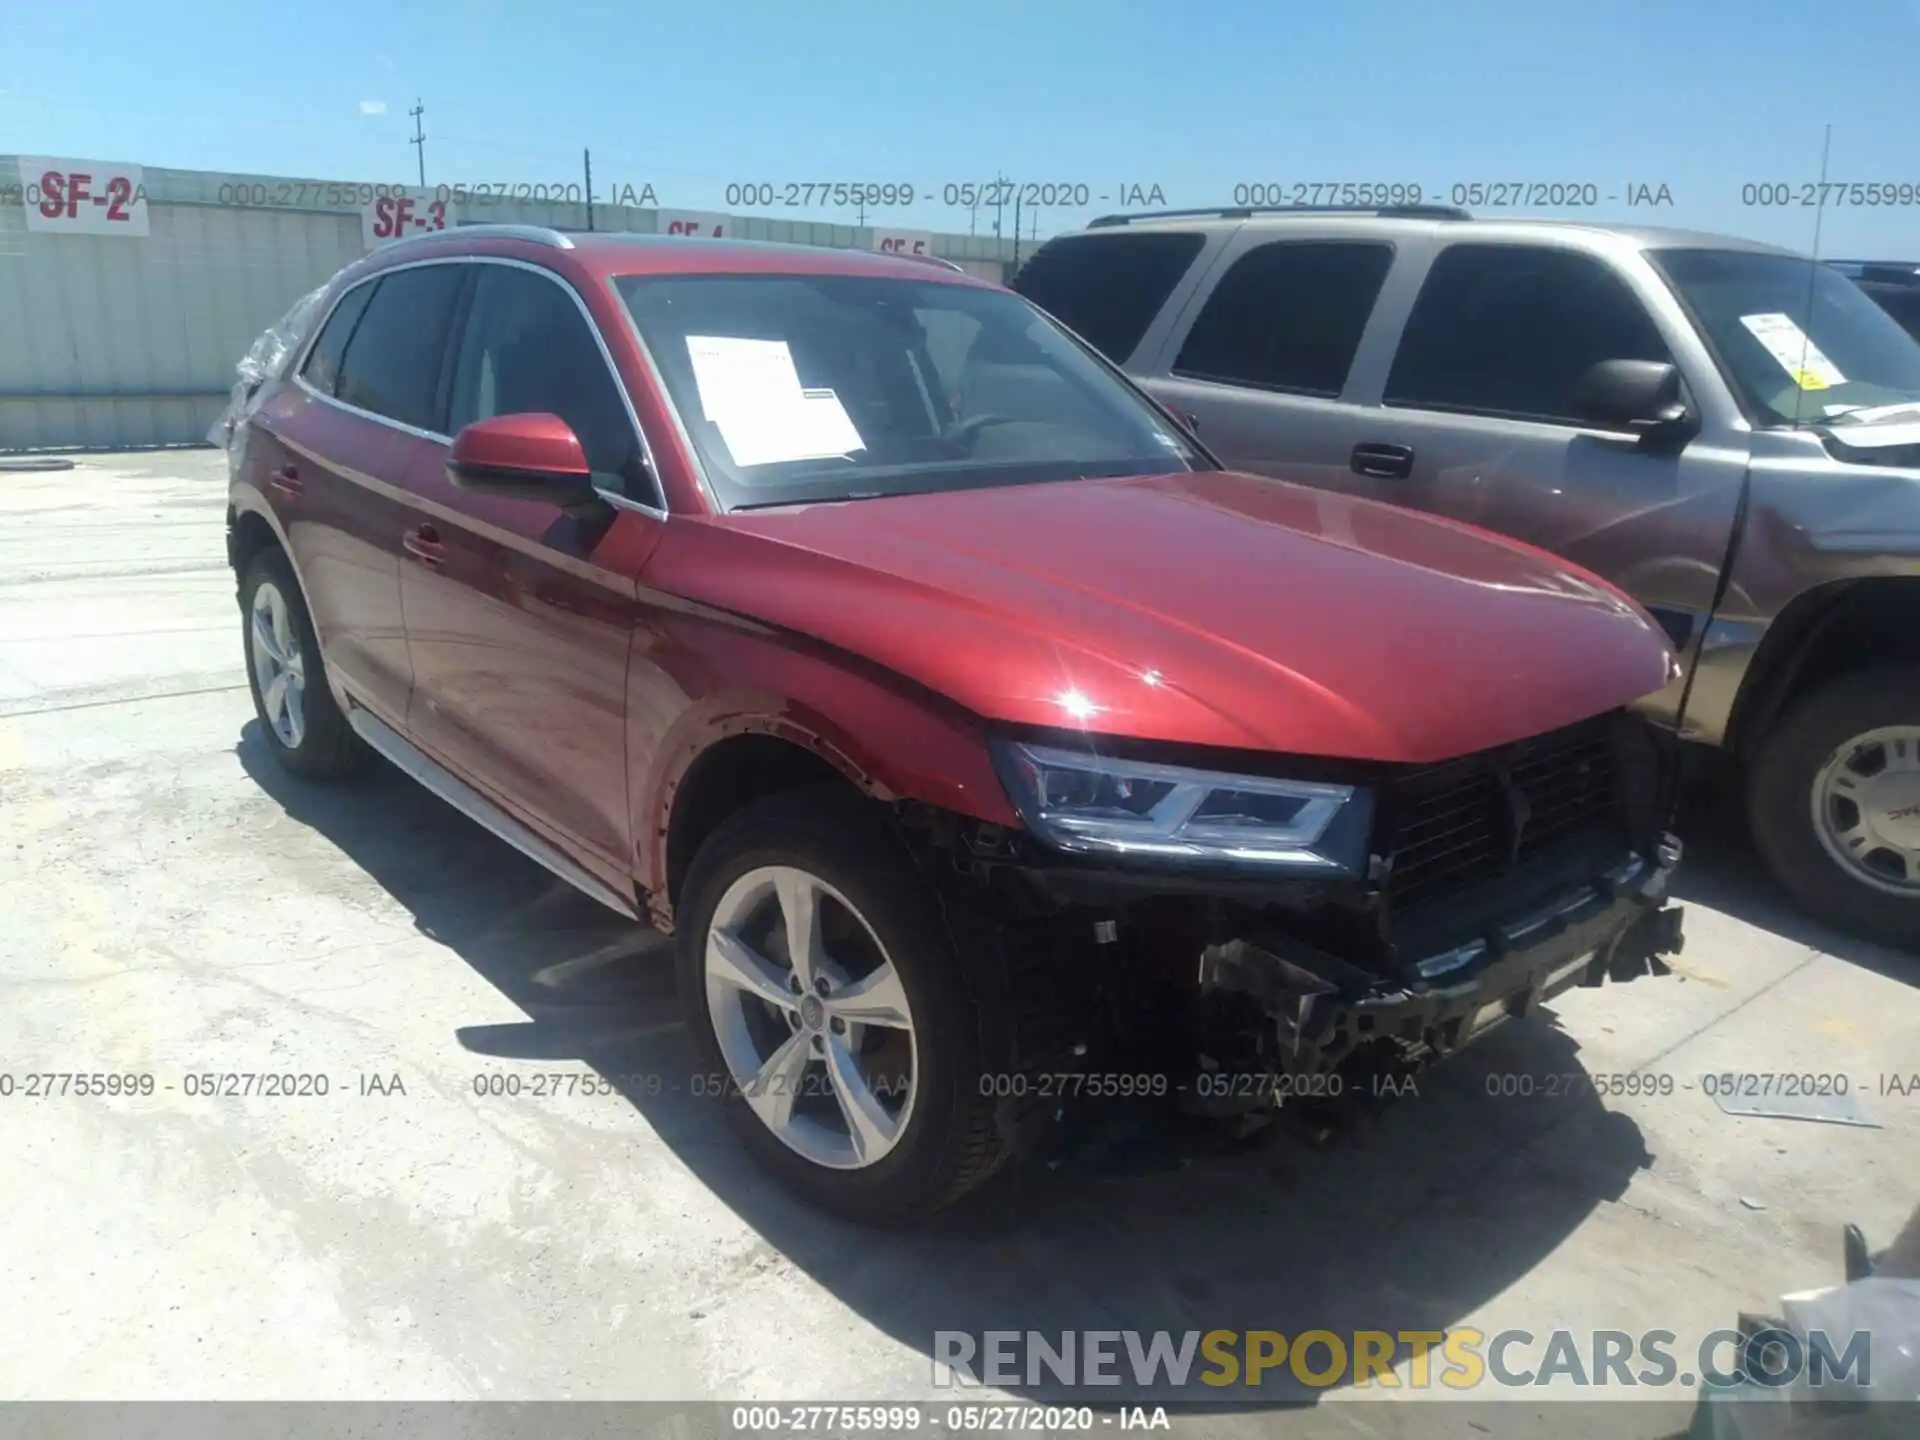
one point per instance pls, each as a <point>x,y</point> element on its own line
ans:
<point>1205,608</point>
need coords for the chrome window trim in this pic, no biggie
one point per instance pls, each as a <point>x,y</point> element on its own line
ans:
<point>622,502</point>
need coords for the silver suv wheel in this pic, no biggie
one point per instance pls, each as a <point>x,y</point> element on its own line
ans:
<point>279,669</point>
<point>1866,808</point>
<point>817,1036</point>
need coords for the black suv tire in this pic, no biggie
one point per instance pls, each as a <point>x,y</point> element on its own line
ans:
<point>323,746</point>
<point>1781,806</point>
<point>948,1145</point>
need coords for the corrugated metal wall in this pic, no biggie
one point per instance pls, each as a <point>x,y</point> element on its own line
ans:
<point>113,342</point>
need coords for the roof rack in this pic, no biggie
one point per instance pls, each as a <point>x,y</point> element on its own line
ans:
<point>1247,212</point>
<point>484,230</point>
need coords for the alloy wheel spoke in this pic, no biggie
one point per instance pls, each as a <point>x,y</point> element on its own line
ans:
<point>732,961</point>
<point>800,909</point>
<point>274,700</point>
<point>282,631</point>
<point>295,697</point>
<point>264,637</point>
<point>875,999</point>
<point>773,1090</point>
<point>869,1126</point>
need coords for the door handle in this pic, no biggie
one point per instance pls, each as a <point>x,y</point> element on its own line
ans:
<point>1386,462</point>
<point>423,543</point>
<point>287,481</point>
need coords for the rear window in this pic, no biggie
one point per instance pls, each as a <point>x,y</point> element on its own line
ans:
<point>1107,288</point>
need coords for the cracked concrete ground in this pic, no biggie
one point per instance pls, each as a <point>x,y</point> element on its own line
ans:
<point>174,906</point>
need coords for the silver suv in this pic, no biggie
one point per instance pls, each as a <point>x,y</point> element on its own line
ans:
<point>1726,430</point>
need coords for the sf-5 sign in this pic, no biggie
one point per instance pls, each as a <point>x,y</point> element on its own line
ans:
<point>395,216</point>
<point>83,197</point>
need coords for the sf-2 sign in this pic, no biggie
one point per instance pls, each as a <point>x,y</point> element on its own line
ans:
<point>83,197</point>
<point>395,216</point>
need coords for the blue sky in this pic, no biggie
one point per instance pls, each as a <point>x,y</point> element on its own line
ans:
<point>1701,97</point>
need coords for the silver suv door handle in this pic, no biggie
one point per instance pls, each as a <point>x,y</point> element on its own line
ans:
<point>1387,462</point>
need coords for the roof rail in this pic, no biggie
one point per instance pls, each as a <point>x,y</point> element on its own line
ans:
<point>953,265</point>
<point>1247,212</point>
<point>484,230</point>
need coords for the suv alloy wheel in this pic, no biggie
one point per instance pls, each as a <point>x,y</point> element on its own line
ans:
<point>826,1007</point>
<point>299,718</point>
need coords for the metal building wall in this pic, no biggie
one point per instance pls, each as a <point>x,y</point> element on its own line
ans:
<point>116,342</point>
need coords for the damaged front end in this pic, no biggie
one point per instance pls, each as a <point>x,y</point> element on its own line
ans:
<point>1459,896</point>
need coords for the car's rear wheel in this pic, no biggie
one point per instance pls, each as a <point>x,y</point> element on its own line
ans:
<point>827,1010</point>
<point>1834,803</point>
<point>299,718</point>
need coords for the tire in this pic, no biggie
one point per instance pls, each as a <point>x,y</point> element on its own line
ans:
<point>1782,813</point>
<point>878,908</point>
<point>322,746</point>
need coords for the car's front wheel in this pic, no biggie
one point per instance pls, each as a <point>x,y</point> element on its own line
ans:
<point>301,721</point>
<point>1834,803</point>
<point>827,1010</point>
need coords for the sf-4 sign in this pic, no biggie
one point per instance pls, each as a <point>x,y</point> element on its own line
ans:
<point>402,213</point>
<point>83,197</point>
<point>695,224</point>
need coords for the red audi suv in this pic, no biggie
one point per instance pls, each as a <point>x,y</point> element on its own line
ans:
<point>987,748</point>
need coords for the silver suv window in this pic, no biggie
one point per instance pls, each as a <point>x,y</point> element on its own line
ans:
<point>1288,316</point>
<point>1107,288</point>
<point>1509,329</point>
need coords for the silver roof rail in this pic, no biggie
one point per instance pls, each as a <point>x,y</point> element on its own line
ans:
<point>1247,212</point>
<point>953,265</point>
<point>538,234</point>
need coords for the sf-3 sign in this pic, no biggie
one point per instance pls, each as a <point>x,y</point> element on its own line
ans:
<point>83,197</point>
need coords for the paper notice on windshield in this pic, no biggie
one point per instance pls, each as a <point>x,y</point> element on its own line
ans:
<point>1795,350</point>
<point>751,392</point>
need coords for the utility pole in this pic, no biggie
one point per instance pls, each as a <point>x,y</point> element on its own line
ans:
<point>419,141</point>
<point>586,159</point>
<point>1016,229</point>
<point>999,200</point>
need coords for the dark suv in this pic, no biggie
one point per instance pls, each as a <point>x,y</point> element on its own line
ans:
<point>988,747</point>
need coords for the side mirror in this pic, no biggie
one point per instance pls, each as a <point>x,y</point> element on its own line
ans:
<point>523,457</point>
<point>1641,396</point>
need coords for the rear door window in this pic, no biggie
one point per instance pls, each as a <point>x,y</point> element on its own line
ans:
<point>322,370</point>
<point>1288,316</point>
<point>1107,288</point>
<point>1509,329</point>
<point>392,363</point>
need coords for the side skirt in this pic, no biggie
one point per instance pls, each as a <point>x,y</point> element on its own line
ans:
<point>475,806</point>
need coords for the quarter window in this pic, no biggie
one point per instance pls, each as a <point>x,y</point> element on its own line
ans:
<point>322,370</point>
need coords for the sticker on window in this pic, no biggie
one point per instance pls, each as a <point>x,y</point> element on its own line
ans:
<point>751,392</point>
<point>1803,360</point>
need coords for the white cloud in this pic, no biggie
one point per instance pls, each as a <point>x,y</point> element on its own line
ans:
<point>373,107</point>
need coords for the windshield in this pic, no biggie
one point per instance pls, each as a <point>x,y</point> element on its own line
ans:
<point>832,387</point>
<point>1791,361</point>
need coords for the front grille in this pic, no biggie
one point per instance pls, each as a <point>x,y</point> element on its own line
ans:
<point>1466,821</point>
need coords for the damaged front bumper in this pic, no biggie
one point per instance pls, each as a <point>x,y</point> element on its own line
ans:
<point>1276,1007</point>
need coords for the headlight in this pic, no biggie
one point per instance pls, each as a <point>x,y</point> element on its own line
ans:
<point>1093,804</point>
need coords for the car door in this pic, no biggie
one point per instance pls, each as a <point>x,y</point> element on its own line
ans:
<point>519,616</point>
<point>336,448</point>
<point>1472,421</point>
<point>1266,358</point>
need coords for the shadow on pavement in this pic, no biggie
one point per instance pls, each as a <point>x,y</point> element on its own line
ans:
<point>1439,1205</point>
<point>1722,871</point>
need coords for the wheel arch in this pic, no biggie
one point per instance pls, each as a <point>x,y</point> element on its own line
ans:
<point>1824,633</point>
